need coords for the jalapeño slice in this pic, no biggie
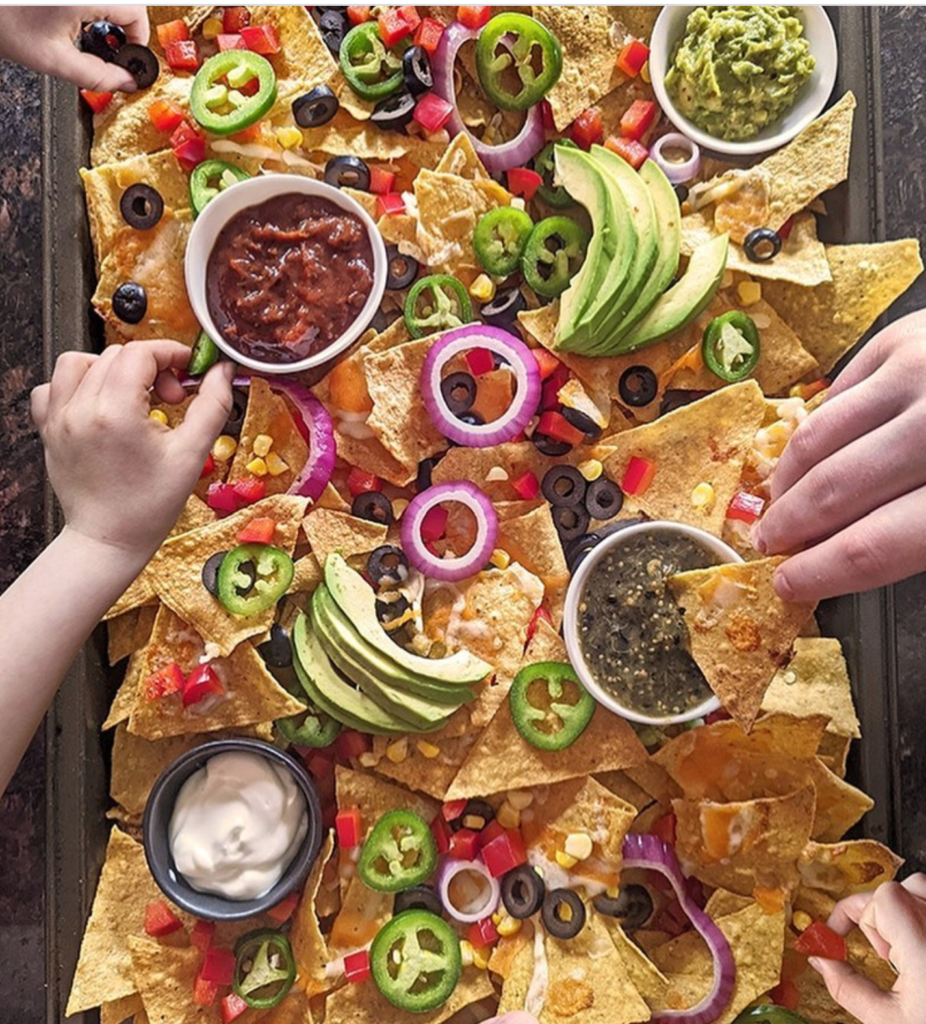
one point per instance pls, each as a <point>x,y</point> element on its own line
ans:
<point>205,354</point>
<point>265,969</point>
<point>768,1014</point>
<point>500,238</point>
<point>415,961</point>
<point>400,852</point>
<point>253,577</point>
<point>544,165</point>
<point>310,728</point>
<point>518,61</point>
<point>731,346</point>
<point>372,70</point>
<point>220,106</point>
<point>209,179</point>
<point>549,705</point>
<point>436,303</point>
<point>553,255</point>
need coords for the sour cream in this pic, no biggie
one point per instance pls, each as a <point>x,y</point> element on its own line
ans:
<point>236,826</point>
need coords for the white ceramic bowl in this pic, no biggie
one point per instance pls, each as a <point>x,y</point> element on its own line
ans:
<point>723,553</point>
<point>818,30</point>
<point>242,195</point>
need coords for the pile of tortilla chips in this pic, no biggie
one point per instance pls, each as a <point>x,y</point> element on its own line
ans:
<point>759,800</point>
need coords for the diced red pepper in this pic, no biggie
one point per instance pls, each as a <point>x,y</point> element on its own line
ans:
<point>201,935</point>
<point>221,498</point>
<point>232,1006</point>
<point>479,361</point>
<point>160,920</point>
<point>182,55</point>
<point>208,467</point>
<point>555,425</point>
<point>428,33</point>
<point>432,112</point>
<point>381,181</point>
<point>202,682</point>
<point>258,531</point>
<point>637,119</point>
<point>261,39</point>
<point>474,15</point>
<point>350,744</point>
<point>394,26</point>
<point>522,181</point>
<point>250,88</point>
<point>464,844</point>
<point>254,133</point>
<point>218,966</point>
<point>349,828</point>
<point>164,682</point>
<point>389,204</point>
<point>638,476</point>
<point>165,116</point>
<point>785,230</point>
<point>546,113</point>
<point>492,831</point>
<point>96,101</point>
<point>442,834</point>
<point>539,613</point>
<point>360,481</point>
<point>188,145</point>
<point>552,386</point>
<point>526,486</point>
<point>820,940</point>
<point>172,32</point>
<point>319,765</point>
<point>283,911</point>
<point>546,362</point>
<point>250,490</point>
<point>807,391</point>
<point>664,828</point>
<point>587,128</point>
<point>786,994</point>
<point>230,41</point>
<point>504,853</point>
<point>358,15</point>
<point>635,153</point>
<point>234,19</point>
<point>434,524</point>
<point>409,14</point>
<point>204,992</point>
<point>453,809</point>
<point>745,507</point>
<point>482,934</point>
<point>632,58</point>
<point>357,966</point>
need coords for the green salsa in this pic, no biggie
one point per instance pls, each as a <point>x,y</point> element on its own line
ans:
<point>739,69</point>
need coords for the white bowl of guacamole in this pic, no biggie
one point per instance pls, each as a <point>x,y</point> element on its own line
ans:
<point>743,80</point>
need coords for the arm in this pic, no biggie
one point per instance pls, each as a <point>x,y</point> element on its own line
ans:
<point>121,479</point>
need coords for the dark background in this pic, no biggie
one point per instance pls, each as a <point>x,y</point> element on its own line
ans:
<point>22,493</point>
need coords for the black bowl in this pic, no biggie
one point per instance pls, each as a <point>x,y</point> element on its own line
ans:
<point>160,808</point>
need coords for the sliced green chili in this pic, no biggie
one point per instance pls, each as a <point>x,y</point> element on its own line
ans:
<point>209,179</point>
<point>222,108</point>
<point>545,166</point>
<point>372,71</point>
<point>520,43</point>
<point>415,961</point>
<point>553,255</point>
<point>400,852</point>
<point>253,577</point>
<point>205,354</point>
<point>265,968</point>
<point>436,303</point>
<point>500,238</point>
<point>541,707</point>
<point>731,346</point>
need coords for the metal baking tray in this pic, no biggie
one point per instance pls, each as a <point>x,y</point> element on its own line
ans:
<point>77,754</point>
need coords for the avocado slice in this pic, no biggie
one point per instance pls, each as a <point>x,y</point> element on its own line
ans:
<point>684,300</point>
<point>668,242</point>
<point>334,695</point>
<point>358,602</point>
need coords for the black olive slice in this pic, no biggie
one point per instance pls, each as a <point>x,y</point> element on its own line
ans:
<point>373,506</point>
<point>239,408</point>
<point>563,913</point>
<point>604,499</point>
<point>277,652</point>
<point>210,572</point>
<point>638,386</point>
<point>387,565</point>
<point>504,308</point>
<point>394,112</point>
<point>401,269</point>
<point>522,892</point>
<point>476,815</point>
<point>418,897</point>
<point>347,172</point>
<point>333,26</point>
<point>633,905</point>
<point>547,446</point>
<point>459,391</point>
<point>317,107</point>
<point>582,421</point>
<point>673,400</point>
<point>130,302</point>
<point>140,62</point>
<point>416,69</point>
<point>682,192</point>
<point>387,611</point>
<point>570,522</point>
<point>141,206</point>
<point>425,470</point>
<point>102,39</point>
<point>762,245</point>
<point>564,486</point>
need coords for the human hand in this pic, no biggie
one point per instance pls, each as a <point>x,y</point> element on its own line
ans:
<point>850,490</point>
<point>44,39</point>
<point>893,918</point>
<point>120,476</point>
<point>514,1017</point>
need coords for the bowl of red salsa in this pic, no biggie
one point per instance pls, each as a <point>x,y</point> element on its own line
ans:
<point>284,272</point>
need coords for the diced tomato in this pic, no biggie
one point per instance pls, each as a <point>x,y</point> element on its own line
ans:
<point>234,19</point>
<point>250,490</point>
<point>638,475</point>
<point>230,41</point>
<point>221,498</point>
<point>479,361</point>
<point>348,825</point>
<point>632,58</point>
<point>390,204</point>
<point>254,133</point>
<point>482,934</point>
<point>172,32</point>
<point>164,682</point>
<point>522,181</point>
<point>464,844</point>
<point>526,486</point>
<point>182,55</point>
<point>820,940</point>
<point>553,424</point>
<point>434,524</point>
<point>637,119</point>
<point>160,920</point>
<point>393,26</point>
<point>350,744</point>
<point>357,966</point>
<point>202,682</point>
<point>201,935</point>
<point>785,230</point>
<point>409,14</point>
<point>474,15</point>
<point>442,834</point>
<point>428,33</point>
<point>250,88</point>
<point>258,531</point>
<point>664,828</point>
<point>218,966</point>
<point>587,128</point>
<point>283,911</point>
<point>261,39</point>
<point>635,153</point>
<point>381,181</point>
<point>164,115</point>
<point>319,766</point>
<point>552,386</point>
<point>208,467</point>
<point>96,101</point>
<point>432,112</point>
<point>188,145</point>
<point>359,481</point>
<point>453,809</point>
<point>504,853</point>
<point>786,994</point>
<point>358,15</point>
<point>546,113</point>
<point>204,992</point>
<point>745,507</point>
<point>546,362</point>
<point>232,1006</point>
<point>492,831</point>
<point>539,613</point>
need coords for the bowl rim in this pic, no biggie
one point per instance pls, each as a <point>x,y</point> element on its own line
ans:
<point>156,842</point>
<point>726,555</point>
<point>820,85</point>
<point>253,192</point>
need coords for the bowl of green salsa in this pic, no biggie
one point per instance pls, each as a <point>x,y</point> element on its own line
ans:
<point>626,636</point>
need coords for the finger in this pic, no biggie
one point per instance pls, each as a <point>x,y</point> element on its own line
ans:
<point>513,1017</point>
<point>38,405</point>
<point>209,410</point>
<point>879,549</point>
<point>64,60</point>
<point>70,370</point>
<point>92,383</point>
<point>916,884</point>
<point>856,994</point>
<point>899,918</point>
<point>877,350</point>
<point>169,389</point>
<point>132,17</point>
<point>133,374</point>
<point>848,912</point>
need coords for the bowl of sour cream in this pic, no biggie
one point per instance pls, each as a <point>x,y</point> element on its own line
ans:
<point>231,828</point>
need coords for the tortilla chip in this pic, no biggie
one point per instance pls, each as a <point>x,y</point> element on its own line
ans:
<point>361,914</point>
<point>128,1008</point>
<point>124,700</point>
<point>865,281</point>
<point>328,532</point>
<point>841,869</point>
<point>129,632</point>
<point>268,414</point>
<point>645,976</point>
<point>124,130</point>
<point>140,592</point>
<point>303,61</point>
<point>177,570</point>
<point>166,976</point>
<point>740,631</point>
<point>834,753</point>
<point>307,576</point>
<point>309,947</point>
<point>461,159</point>
<point>375,797</point>
<point>368,142</point>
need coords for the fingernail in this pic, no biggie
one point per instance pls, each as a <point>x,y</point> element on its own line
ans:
<point>815,962</point>
<point>758,541</point>
<point>783,587</point>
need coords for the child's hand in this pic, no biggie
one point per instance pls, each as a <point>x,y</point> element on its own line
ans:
<point>849,494</point>
<point>893,918</point>
<point>121,477</point>
<point>44,39</point>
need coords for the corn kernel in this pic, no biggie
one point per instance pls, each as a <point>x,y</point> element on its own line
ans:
<point>483,288</point>
<point>497,918</point>
<point>262,445</point>
<point>520,798</point>
<point>508,926</point>
<point>158,415</point>
<point>578,845</point>
<point>212,27</point>
<point>398,751</point>
<point>257,467</point>
<point>702,497</point>
<point>224,448</point>
<point>500,559</point>
<point>289,137</point>
<point>398,507</point>
<point>275,465</point>
<point>467,952</point>
<point>564,860</point>
<point>749,292</point>
<point>508,816</point>
<point>427,750</point>
<point>368,759</point>
<point>496,475</point>
<point>518,203</point>
<point>481,959</point>
<point>801,920</point>
<point>591,469</point>
<point>644,73</point>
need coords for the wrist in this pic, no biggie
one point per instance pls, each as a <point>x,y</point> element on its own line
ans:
<point>107,559</point>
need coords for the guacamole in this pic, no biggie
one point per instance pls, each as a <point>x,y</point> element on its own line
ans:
<point>739,69</point>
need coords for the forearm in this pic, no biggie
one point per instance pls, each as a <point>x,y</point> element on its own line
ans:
<point>45,617</point>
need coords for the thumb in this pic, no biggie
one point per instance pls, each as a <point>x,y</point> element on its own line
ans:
<point>854,992</point>
<point>87,71</point>
<point>209,410</point>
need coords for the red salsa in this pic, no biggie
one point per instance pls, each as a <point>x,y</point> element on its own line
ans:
<point>288,277</point>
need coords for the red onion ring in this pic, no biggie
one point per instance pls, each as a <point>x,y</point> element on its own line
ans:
<point>526,396</point>
<point>677,172</point>
<point>652,854</point>
<point>450,570</point>
<point>514,153</point>
<point>448,871</point>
